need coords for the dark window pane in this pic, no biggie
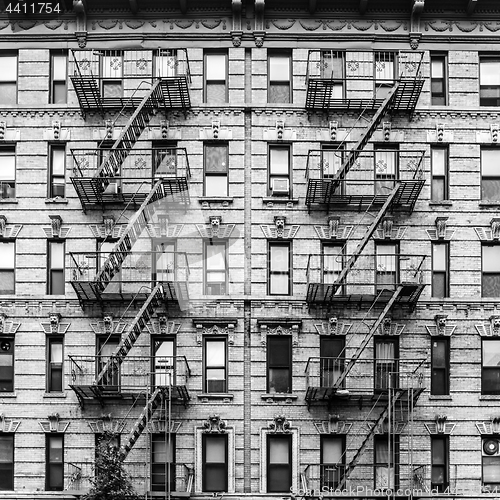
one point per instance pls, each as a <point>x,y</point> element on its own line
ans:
<point>491,285</point>
<point>216,93</point>
<point>8,93</point>
<point>216,159</point>
<point>490,381</point>
<point>279,92</point>
<point>490,189</point>
<point>59,90</point>
<point>491,470</point>
<point>6,476</point>
<point>279,351</point>
<point>438,382</point>
<point>439,285</point>
<point>6,281</point>
<point>57,282</point>
<point>215,477</point>
<point>279,479</point>
<point>279,380</point>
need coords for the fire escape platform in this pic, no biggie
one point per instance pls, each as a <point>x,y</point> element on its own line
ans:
<point>322,191</point>
<point>174,90</point>
<point>321,92</point>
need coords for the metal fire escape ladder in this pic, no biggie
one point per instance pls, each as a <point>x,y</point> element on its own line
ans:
<point>367,134</point>
<point>140,424</point>
<point>359,453</point>
<point>110,167</point>
<point>146,312</point>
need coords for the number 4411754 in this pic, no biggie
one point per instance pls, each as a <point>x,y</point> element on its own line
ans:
<point>23,7</point>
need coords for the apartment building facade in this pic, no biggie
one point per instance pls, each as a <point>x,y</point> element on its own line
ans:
<point>255,242</point>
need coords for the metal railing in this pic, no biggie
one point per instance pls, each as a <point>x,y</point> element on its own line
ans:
<point>383,166</point>
<point>370,273</point>
<point>137,268</point>
<point>348,69</point>
<point>134,373</point>
<point>368,375</point>
<point>323,478</point>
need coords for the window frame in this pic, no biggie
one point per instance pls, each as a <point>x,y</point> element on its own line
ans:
<point>166,369</point>
<point>111,79</point>
<point>207,368</point>
<point>396,273</point>
<point>54,367</point>
<point>442,372</point>
<point>53,177</point>
<point>220,465</point>
<point>488,273</point>
<point>381,180</point>
<point>494,456</point>
<point>165,247</point>
<point>168,466</point>
<point>10,270</point>
<point>288,439</point>
<point>338,470</point>
<point>394,459</point>
<point>51,270</point>
<point>206,271</point>
<point>271,273</point>
<point>7,344</point>
<point>272,54</point>
<point>445,272</point>
<point>207,82</point>
<point>8,150</point>
<point>15,81</point>
<point>102,360</point>
<point>58,53</point>
<point>7,467</point>
<point>381,380</point>
<point>442,58</point>
<point>328,368</point>
<point>444,178</point>
<point>49,464</point>
<point>489,368</point>
<point>485,178</point>
<point>488,101</point>
<point>272,339</point>
<point>445,465</point>
<point>271,175</point>
<point>206,173</point>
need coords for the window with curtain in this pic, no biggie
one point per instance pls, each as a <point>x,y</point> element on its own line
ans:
<point>215,466</point>
<point>332,68</point>
<point>279,269</point>
<point>6,461</point>
<point>439,170</point>
<point>279,364</point>
<point>216,75</point>
<point>54,364</point>
<point>112,74</point>
<point>215,365</point>
<point>386,364</point>
<point>216,169</point>
<point>165,63</point>
<point>7,364</point>
<point>439,63</point>
<point>489,80</point>
<point>386,461</point>
<point>57,171</point>
<point>54,470</point>
<point>163,362</point>
<point>215,268</point>
<point>58,77</point>
<point>439,463</point>
<point>490,174</point>
<point>280,81</point>
<point>440,366</point>
<point>7,267</point>
<point>386,168</point>
<point>8,78</point>
<point>163,462</point>
<point>387,260</point>
<point>106,347</point>
<point>490,271</point>
<point>332,357</point>
<point>7,172</point>
<point>279,463</point>
<point>332,461</point>
<point>490,367</point>
<point>55,278</point>
<point>440,270</point>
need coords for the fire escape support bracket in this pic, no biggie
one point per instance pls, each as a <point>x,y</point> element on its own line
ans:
<point>415,27</point>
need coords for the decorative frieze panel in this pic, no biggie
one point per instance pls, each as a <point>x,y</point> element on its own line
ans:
<point>279,425</point>
<point>279,230</point>
<point>490,328</point>
<point>334,230</point>
<point>108,326</point>
<point>279,133</point>
<point>489,234</point>
<point>383,427</point>
<point>215,132</point>
<point>389,327</point>
<point>489,427</point>
<point>440,232</point>
<point>55,326</point>
<point>8,231</point>
<point>57,132</point>
<point>333,425</point>
<point>8,424</point>
<point>53,424</point>
<point>333,327</point>
<point>440,425</point>
<point>162,326</point>
<point>7,134</point>
<point>156,425</point>
<point>107,424</point>
<point>208,326</point>
<point>440,135</point>
<point>56,228</point>
<point>215,425</point>
<point>279,327</point>
<point>441,326</point>
<point>387,230</point>
<point>8,327</point>
<point>164,229</point>
<point>108,229</point>
<point>215,228</point>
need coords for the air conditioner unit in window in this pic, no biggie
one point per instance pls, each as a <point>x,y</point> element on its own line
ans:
<point>491,447</point>
<point>280,186</point>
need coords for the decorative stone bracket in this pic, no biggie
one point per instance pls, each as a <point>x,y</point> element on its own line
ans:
<point>8,231</point>
<point>334,230</point>
<point>441,232</point>
<point>215,132</point>
<point>388,231</point>
<point>388,327</point>
<point>440,135</point>
<point>56,133</point>
<point>108,326</point>
<point>279,133</point>
<point>108,229</point>
<point>7,424</point>
<point>214,425</point>
<point>279,327</point>
<point>333,425</point>
<point>56,228</point>
<point>79,7</point>
<point>279,425</point>
<point>489,427</point>
<point>107,424</point>
<point>489,329</point>
<point>207,326</point>
<point>279,230</point>
<point>8,327</point>
<point>55,325</point>
<point>161,326</point>
<point>215,228</point>
<point>53,424</point>
<point>163,229</point>
<point>441,326</point>
<point>236,32</point>
<point>383,427</point>
<point>333,327</point>
<point>491,234</point>
<point>440,426</point>
<point>160,425</point>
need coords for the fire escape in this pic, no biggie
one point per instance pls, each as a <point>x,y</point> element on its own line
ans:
<point>153,182</point>
<point>376,182</point>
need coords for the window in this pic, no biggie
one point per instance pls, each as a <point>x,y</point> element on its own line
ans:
<point>491,463</point>
<point>279,71</point>
<point>279,463</point>
<point>216,77</point>
<point>439,181</point>
<point>279,364</point>
<point>106,348</point>
<point>384,71</point>
<point>215,268</point>
<point>490,174</point>
<point>439,463</point>
<point>7,365</point>
<point>215,365</point>
<point>386,461</point>
<point>386,168</point>
<point>489,81</point>
<point>54,472</point>
<point>7,173</point>
<point>115,183</point>
<point>438,79</point>
<point>216,169</point>
<point>279,269</point>
<point>333,263</point>
<point>490,375</point>
<point>57,181</point>
<point>58,77</point>
<point>440,270</point>
<point>332,68</point>
<point>55,278</point>
<point>279,171</point>
<point>332,356</point>
<point>54,364</point>
<point>165,160</point>
<point>7,267</point>
<point>215,468</point>
<point>332,461</point>
<point>387,266</point>
<point>6,461</point>
<point>163,362</point>
<point>440,366</point>
<point>163,462</point>
<point>112,74</point>
<point>165,62</point>
<point>8,78</point>
<point>386,364</point>
<point>163,262</point>
<point>332,158</point>
<point>491,271</point>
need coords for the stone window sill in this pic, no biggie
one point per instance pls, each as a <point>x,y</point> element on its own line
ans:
<point>489,204</point>
<point>8,200</point>
<point>441,203</point>
<point>211,396</point>
<point>50,395</point>
<point>8,395</point>
<point>489,397</point>
<point>224,200</point>
<point>271,200</point>
<point>435,397</point>
<point>279,396</point>
<point>62,201</point>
